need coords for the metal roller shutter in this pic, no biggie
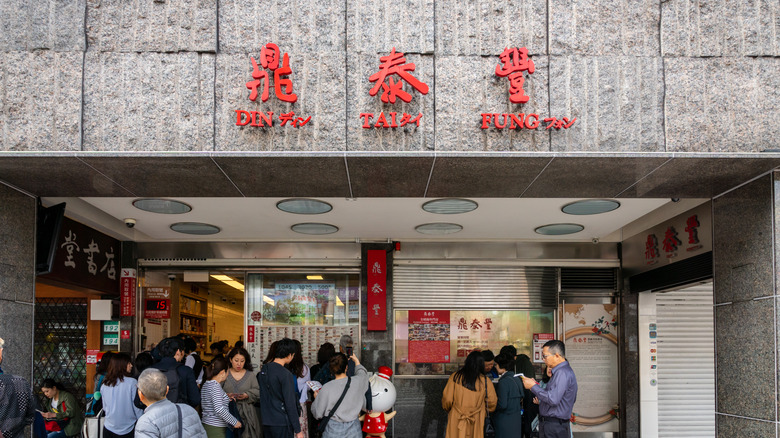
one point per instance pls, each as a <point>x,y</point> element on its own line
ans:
<point>686,363</point>
<point>474,287</point>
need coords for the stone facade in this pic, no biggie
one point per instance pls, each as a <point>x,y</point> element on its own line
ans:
<point>169,75</point>
<point>17,276</point>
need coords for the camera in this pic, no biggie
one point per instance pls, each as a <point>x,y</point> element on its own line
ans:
<point>171,277</point>
<point>129,222</point>
<point>595,240</point>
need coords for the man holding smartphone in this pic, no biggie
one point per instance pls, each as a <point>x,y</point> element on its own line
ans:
<point>556,401</point>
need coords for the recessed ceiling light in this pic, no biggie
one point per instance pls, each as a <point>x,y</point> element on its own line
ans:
<point>450,206</point>
<point>164,206</point>
<point>559,229</point>
<point>304,206</point>
<point>438,228</point>
<point>314,228</point>
<point>590,206</point>
<point>196,228</point>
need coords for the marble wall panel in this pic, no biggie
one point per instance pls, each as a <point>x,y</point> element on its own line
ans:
<point>16,329</point>
<point>618,102</point>
<point>735,323</point>
<point>467,86</point>
<point>724,104</point>
<point>152,26</point>
<point>359,101</point>
<point>376,26</point>
<point>296,26</point>
<point>730,427</point>
<point>40,101</point>
<point>318,81</point>
<point>486,27</point>
<point>604,27</point>
<point>148,101</point>
<point>742,246</point>
<point>720,28</point>
<point>56,25</point>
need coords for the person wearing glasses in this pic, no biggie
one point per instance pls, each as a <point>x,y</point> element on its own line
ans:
<point>556,401</point>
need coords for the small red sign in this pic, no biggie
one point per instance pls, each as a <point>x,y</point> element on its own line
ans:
<point>250,333</point>
<point>377,289</point>
<point>395,64</point>
<point>92,356</point>
<point>127,292</point>
<point>256,316</point>
<point>125,334</point>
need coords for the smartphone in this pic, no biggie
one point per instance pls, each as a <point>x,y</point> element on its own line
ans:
<point>349,351</point>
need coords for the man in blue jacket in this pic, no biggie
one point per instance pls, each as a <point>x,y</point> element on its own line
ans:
<point>556,401</point>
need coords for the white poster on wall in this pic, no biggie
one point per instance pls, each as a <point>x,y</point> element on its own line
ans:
<point>592,351</point>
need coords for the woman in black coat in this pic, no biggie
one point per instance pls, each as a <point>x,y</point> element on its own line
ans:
<point>508,417</point>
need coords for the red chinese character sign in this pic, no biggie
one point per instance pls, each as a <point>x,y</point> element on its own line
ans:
<point>276,64</point>
<point>393,73</point>
<point>429,336</point>
<point>513,63</point>
<point>376,301</point>
<point>127,292</point>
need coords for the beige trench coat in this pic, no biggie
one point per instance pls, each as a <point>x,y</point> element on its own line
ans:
<point>467,408</point>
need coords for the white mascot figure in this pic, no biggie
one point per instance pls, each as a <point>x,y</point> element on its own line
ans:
<point>382,400</point>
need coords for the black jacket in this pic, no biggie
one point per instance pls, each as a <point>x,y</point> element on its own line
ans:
<point>278,403</point>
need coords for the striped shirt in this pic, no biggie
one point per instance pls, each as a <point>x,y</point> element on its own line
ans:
<point>214,403</point>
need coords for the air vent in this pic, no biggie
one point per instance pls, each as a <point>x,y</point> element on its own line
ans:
<point>588,279</point>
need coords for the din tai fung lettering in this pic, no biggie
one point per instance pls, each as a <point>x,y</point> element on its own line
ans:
<point>396,81</point>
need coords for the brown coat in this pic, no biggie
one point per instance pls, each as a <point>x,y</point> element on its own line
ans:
<point>467,408</point>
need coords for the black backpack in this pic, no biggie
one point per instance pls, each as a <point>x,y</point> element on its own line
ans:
<point>174,393</point>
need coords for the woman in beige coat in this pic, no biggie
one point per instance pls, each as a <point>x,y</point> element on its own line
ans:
<point>464,399</point>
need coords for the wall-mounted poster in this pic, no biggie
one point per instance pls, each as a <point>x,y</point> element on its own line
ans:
<point>421,336</point>
<point>592,351</point>
<point>429,336</point>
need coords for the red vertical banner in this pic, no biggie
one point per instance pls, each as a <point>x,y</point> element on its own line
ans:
<point>376,276</point>
<point>250,333</point>
<point>127,292</point>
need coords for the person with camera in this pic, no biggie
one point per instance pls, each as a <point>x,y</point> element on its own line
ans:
<point>341,399</point>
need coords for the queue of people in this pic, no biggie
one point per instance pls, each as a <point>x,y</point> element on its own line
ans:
<point>237,400</point>
<point>472,399</point>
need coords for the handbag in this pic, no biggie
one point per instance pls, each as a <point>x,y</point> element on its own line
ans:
<point>233,409</point>
<point>93,426</point>
<point>324,422</point>
<point>490,431</point>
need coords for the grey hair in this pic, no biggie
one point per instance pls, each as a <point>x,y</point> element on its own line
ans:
<point>345,341</point>
<point>556,347</point>
<point>2,343</point>
<point>153,384</point>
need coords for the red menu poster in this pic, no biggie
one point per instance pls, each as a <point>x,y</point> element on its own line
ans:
<point>429,336</point>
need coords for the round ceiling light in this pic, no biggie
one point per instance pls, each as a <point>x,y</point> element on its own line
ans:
<point>196,228</point>
<point>438,228</point>
<point>314,228</point>
<point>559,229</point>
<point>590,206</point>
<point>164,206</point>
<point>450,206</point>
<point>304,206</point>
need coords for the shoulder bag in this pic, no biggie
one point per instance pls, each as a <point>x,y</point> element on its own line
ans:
<point>490,431</point>
<point>324,422</point>
<point>93,426</point>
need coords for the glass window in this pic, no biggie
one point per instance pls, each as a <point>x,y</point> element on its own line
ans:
<point>313,309</point>
<point>431,342</point>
